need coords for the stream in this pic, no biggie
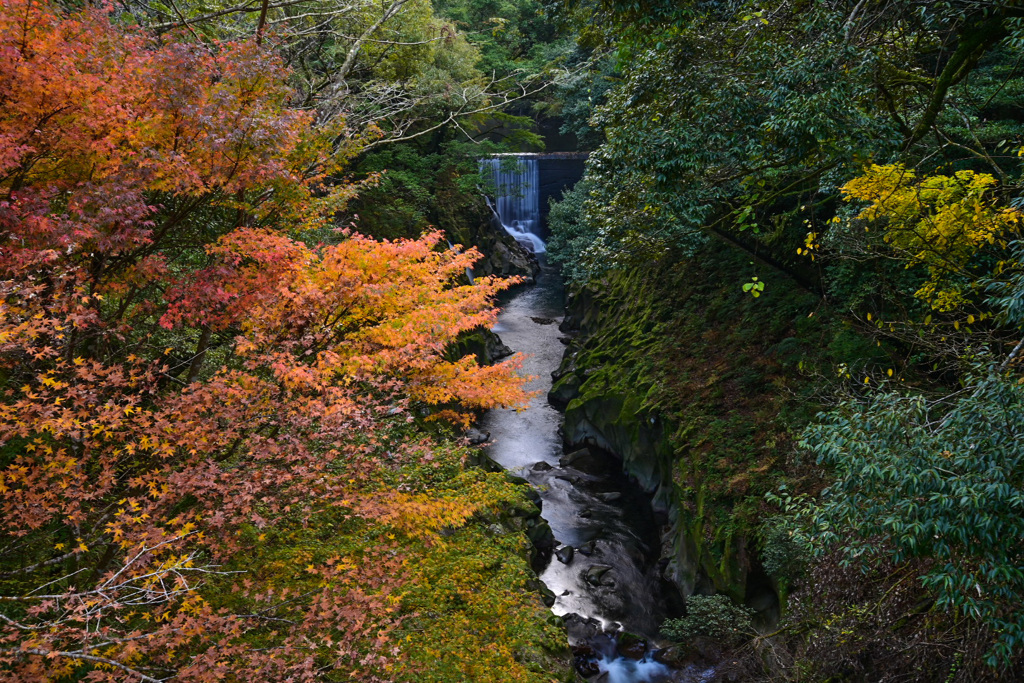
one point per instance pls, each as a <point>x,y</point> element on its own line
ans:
<point>604,572</point>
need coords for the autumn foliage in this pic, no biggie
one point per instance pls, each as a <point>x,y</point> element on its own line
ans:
<point>186,373</point>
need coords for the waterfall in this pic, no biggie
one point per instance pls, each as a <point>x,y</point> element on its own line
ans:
<point>517,189</point>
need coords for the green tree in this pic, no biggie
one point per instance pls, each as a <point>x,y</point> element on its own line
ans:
<point>941,479</point>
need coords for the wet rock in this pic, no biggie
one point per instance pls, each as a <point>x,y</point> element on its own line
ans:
<point>542,540</point>
<point>543,321</point>
<point>585,514</point>
<point>609,497</point>
<point>565,340</point>
<point>631,646</point>
<point>580,630</point>
<point>586,667</point>
<point>583,650</point>
<point>539,533</point>
<point>546,595</point>
<point>564,554</point>
<point>575,457</point>
<point>476,436</point>
<point>587,548</point>
<point>541,466</point>
<point>589,461</point>
<point>596,574</point>
<point>494,348</point>
<point>564,390</point>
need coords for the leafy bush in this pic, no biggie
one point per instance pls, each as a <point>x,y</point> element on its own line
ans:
<point>712,616</point>
<point>784,552</point>
<point>939,479</point>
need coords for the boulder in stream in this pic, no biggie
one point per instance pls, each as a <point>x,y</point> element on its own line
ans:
<point>564,554</point>
<point>575,457</point>
<point>541,466</point>
<point>631,646</point>
<point>596,574</point>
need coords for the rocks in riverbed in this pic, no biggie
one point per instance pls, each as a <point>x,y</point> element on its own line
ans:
<point>542,540</point>
<point>609,497</point>
<point>564,554</point>
<point>543,321</point>
<point>541,466</point>
<point>585,666</point>
<point>546,595</point>
<point>597,575</point>
<point>631,646</point>
<point>587,548</point>
<point>581,630</point>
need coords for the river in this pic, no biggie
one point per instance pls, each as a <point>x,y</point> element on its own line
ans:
<point>605,572</point>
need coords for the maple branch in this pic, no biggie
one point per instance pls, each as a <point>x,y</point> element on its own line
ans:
<point>79,654</point>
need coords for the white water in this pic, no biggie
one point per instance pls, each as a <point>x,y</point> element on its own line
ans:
<point>622,670</point>
<point>517,201</point>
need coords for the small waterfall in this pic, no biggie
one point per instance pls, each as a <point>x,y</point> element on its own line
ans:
<point>517,188</point>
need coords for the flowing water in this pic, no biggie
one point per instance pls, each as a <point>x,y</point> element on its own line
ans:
<point>517,187</point>
<point>609,579</point>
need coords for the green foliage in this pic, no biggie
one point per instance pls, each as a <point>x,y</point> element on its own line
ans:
<point>511,34</point>
<point>711,616</point>
<point>938,479</point>
<point>754,288</point>
<point>784,552</point>
<point>735,120</point>
<point>569,233</point>
<point>581,94</point>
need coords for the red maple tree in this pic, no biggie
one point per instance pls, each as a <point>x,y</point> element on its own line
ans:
<point>179,365</point>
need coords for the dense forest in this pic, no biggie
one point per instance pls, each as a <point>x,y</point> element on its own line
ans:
<point>248,278</point>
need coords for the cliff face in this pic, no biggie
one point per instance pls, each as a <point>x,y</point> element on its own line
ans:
<point>696,386</point>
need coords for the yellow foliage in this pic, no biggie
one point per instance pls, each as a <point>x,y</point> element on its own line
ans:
<point>940,222</point>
